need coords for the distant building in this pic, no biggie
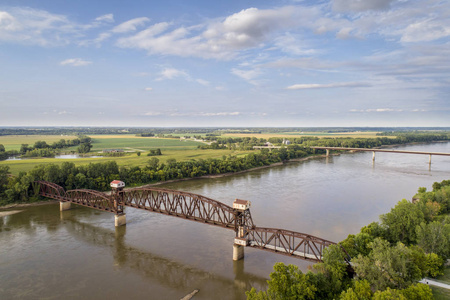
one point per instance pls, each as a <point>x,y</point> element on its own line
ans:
<point>286,142</point>
<point>112,150</point>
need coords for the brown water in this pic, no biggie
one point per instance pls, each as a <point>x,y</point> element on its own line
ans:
<point>79,254</point>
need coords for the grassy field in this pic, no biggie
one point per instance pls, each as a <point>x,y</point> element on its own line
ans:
<point>131,142</point>
<point>13,142</point>
<point>130,159</point>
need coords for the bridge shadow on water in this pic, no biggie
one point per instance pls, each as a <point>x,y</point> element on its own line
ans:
<point>166,272</point>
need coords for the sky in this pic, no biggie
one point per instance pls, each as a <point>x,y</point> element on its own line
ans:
<point>234,63</point>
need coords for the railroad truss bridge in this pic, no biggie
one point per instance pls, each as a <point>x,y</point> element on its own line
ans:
<point>195,208</point>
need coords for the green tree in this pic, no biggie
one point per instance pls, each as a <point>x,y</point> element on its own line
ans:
<point>387,266</point>
<point>153,163</point>
<point>286,282</point>
<point>400,223</point>
<point>359,291</point>
<point>84,148</point>
<point>434,237</point>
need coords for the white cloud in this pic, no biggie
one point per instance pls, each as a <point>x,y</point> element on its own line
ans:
<point>130,25</point>
<point>202,82</point>
<point>105,18</point>
<point>171,73</point>
<point>235,113</point>
<point>426,30</point>
<point>248,75</point>
<point>218,39</point>
<point>75,62</point>
<point>328,86</point>
<point>149,89</point>
<point>377,110</point>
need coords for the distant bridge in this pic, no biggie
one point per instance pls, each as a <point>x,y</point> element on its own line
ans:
<point>195,208</point>
<point>380,150</point>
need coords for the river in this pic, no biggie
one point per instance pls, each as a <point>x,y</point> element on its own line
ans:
<point>79,254</point>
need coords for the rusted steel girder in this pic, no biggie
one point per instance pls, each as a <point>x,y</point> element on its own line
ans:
<point>181,204</point>
<point>288,243</point>
<point>91,198</point>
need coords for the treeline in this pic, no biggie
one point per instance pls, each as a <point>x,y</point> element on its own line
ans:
<point>409,243</point>
<point>247,143</point>
<point>98,176</point>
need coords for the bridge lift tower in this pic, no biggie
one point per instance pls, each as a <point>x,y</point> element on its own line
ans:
<point>120,217</point>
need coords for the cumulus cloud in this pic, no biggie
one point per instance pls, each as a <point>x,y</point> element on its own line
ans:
<point>130,25</point>
<point>149,89</point>
<point>75,62</point>
<point>218,39</point>
<point>360,5</point>
<point>328,86</point>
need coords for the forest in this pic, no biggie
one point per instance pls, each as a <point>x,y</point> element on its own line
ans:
<point>410,242</point>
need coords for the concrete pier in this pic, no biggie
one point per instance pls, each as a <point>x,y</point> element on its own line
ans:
<point>64,205</point>
<point>238,252</point>
<point>328,152</point>
<point>429,162</point>
<point>120,220</point>
<point>373,156</point>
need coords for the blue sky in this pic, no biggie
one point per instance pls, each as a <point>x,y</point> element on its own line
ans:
<point>225,63</point>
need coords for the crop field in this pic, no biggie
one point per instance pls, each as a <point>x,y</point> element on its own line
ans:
<point>13,142</point>
<point>128,160</point>
<point>134,143</point>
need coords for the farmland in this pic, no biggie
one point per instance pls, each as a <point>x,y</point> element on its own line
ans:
<point>171,149</point>
<point>13,142</point>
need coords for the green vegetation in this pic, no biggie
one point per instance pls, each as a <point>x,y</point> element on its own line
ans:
<point>412,241</point>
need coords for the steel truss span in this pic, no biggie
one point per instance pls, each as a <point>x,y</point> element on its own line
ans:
<point>195,208</point>
<point>183,205</point>
<point>288,243</point>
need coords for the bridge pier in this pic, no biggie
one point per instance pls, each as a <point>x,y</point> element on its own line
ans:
<point>120,220</point>
<point>429,162</point>
<point>373,156</point>
<point>238,252</point>
<point>328,152</point>
<point>64,205</point>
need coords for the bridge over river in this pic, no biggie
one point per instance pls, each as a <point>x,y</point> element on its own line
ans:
<point>195,208</point>
<point>380,150</point>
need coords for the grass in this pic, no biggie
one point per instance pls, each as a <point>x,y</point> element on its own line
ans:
<point>128,160</point>
<point>14,142</point>
<point>130,142</point>
<point>440,293</point>
<point>446,277</point>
